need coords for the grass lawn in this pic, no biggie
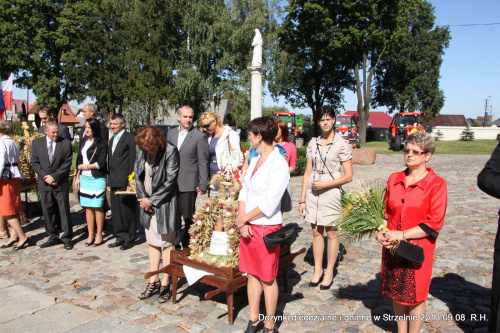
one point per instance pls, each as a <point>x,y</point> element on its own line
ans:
<point>476,147</point>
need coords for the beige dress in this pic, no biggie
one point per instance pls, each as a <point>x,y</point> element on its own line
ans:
<point>152,236</point>
<point>318,202</point>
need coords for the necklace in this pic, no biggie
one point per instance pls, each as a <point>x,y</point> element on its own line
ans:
<point>323,160</point>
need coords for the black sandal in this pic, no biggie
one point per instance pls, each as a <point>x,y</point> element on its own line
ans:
<point>269,330</point>
<point>151,289</point>
<point>252,328</point>
<point>165,294</point>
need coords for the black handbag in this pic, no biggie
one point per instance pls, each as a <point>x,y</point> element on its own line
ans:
<point>410,252</point>
<point>282,236</point>
<point>6,174</point>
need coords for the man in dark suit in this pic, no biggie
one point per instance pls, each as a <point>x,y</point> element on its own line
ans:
<point>488,181</point>
<point>46,114</point>
<point>121,159</point>
<point>90,111</point>
<point>193,166</point>
<point>51,158</point>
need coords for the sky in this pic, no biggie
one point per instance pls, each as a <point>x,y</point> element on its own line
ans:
<point>470,72</point>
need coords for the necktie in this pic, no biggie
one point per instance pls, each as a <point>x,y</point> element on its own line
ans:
<point>51,152</point>
<point>115,142</point>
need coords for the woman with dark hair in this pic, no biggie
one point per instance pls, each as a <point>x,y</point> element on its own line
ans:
<point>258,215</point>
<point>90,179</point>
<point>156,170</point>
<point>10,188</point>
<point>326,155</point>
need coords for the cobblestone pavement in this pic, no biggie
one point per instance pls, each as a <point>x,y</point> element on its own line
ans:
<point>90,289</point>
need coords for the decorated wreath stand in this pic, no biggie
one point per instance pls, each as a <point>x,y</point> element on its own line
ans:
<point>214,243</point>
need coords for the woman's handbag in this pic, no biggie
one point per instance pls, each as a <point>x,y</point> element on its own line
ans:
<point>6,174</point>
<point>282,236</point>
<point>286,200</point>
<point>408,251</point>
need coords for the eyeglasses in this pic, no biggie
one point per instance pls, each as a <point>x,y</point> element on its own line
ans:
<point>207,125</point>
<point>414,151</point>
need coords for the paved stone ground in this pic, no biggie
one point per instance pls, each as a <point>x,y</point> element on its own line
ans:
<point>91,289</point>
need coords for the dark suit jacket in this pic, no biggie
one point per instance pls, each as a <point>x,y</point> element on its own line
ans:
<point>63,131</point>
<point>59,169</point>
<point>194,158</point>
<point>488,181</point>
<point>97,152</point>
<point>121,163</point>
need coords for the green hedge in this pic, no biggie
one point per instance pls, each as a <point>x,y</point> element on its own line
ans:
<point>300,163</point>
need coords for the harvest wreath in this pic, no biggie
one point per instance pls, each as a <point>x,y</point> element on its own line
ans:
<point>205,220</point>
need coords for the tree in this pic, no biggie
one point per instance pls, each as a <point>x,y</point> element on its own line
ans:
<point>408,78</point>
<point>307,67</point>
<point>467,134</point>
<point>40,46</point>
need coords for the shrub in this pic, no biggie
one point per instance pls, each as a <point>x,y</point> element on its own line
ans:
<point>439,135</point>
<point>301,162</point>
<point>498,137</point>
<point>76,146</point>
<point>17,128</point>
<point>467,134</point>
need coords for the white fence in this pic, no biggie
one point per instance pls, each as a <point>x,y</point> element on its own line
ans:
<point>453,133</point>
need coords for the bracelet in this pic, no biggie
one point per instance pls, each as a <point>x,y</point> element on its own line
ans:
<point>302,202</point>
<point>404,235</point>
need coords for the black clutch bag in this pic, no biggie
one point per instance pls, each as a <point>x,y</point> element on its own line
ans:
<point>408,251</point>
<point>282,236</point>
<point>6,174</point>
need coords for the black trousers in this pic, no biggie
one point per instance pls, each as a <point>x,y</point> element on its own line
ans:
<point>495,291</point>
<point>188,206</point>
<point>123,215</point>
<point>55,208</point>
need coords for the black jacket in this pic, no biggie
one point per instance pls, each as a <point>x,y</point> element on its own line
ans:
<point>121,163</point>
<point>164,191</point>
<point>488,181</point>
<point>100,149</point>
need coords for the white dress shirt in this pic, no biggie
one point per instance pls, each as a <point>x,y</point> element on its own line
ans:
<point>182,135</point>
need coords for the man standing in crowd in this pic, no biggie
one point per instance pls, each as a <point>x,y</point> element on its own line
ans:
<point>46,114</point>
<point>121,159</point>
<point>51,159</point>
<point>89,111</point>
<point>488,181</point>
<point>193,165</point>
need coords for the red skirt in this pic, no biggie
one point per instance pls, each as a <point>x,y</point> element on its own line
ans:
<point>255,258</point>
<point>10,197</point>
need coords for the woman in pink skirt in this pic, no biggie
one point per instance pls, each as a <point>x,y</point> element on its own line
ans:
<point>156,171</point>
<point>259,214</point>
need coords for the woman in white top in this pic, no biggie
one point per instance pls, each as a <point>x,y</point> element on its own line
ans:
<point>259,214</point>
<point>220,139</point>
<point>10,188</point>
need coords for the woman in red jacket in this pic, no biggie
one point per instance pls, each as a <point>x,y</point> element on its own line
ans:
<point>416,201</point>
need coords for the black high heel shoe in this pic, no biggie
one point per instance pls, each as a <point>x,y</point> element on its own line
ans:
<point>91,242</point>
<point>24,245</point>
<point>315,284</point>
<point>322,287</point>
<point>9,244</point>
<point>252,328</point>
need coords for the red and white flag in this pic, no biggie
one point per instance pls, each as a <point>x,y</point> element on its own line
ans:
<point>7,94</point>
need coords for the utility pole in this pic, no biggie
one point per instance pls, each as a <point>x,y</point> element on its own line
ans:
<point>485,112</point>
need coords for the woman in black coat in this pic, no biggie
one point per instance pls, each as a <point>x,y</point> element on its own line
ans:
<point>90,179</point>
<point>156,171</point>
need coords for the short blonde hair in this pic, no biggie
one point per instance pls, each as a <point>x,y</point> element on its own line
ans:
<point>207,117</point>
<point>5,127</point>
<point>422,140</point>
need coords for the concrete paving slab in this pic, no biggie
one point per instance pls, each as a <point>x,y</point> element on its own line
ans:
<point>109,325</point>
<point>5,283</point>
<point>60,317</point>
<point>18,301</point>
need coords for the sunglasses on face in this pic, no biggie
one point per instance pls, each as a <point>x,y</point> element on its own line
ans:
<point>207,125</point>
<point>414,151</point>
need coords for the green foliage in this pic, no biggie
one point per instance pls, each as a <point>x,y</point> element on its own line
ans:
<point>76,146</point>
<point>270,110</point>
<point>439,135</point>
<point>17,129</point>
<point>476,124</point>
<point>498,137</point>
<point>467,134</point>
<point>301,162</point>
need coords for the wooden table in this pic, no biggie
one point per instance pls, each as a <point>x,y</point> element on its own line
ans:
<point>225,279</point>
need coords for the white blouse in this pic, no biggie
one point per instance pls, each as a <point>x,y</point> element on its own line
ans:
<point>266,188</point>
<point>9,154</point>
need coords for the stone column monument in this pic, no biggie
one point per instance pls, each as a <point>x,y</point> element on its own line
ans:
<point>256,89</point>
